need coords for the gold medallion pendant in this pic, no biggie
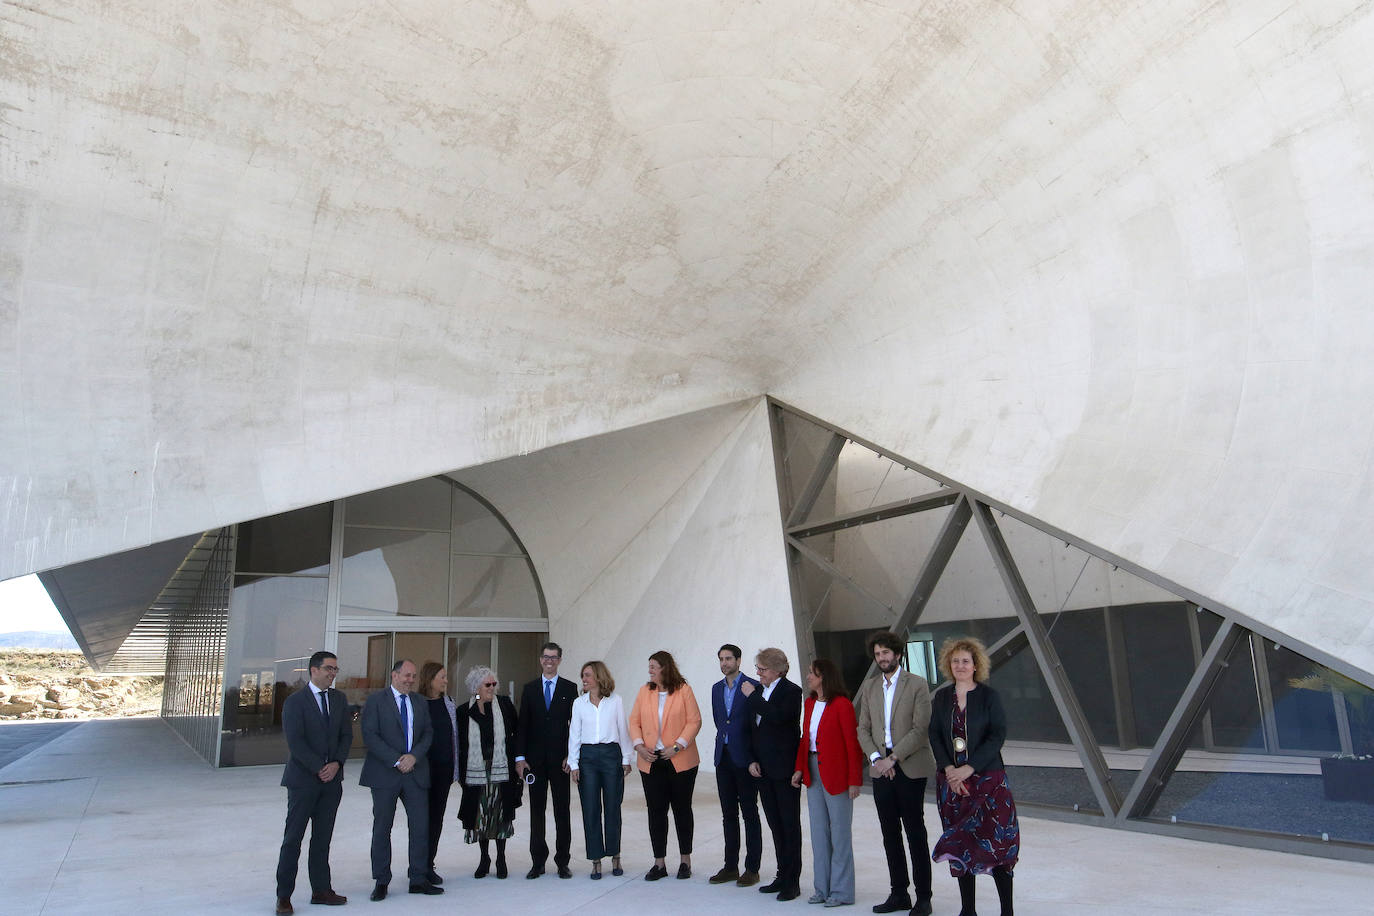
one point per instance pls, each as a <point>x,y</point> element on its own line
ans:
<point>960,745</point>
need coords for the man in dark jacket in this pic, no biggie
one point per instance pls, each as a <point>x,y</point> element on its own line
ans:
<point>776,706</point>
<point>318,736</point>
<point>541,748</point>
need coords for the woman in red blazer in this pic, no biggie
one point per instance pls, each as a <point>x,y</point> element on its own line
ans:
<point>830,764</point>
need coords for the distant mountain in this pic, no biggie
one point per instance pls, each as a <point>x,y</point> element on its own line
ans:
<point>32,639</point>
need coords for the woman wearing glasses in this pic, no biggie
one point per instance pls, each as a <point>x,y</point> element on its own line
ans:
<point>486,769</point>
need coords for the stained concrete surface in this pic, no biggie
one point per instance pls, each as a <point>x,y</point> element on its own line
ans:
<point>121,817</point>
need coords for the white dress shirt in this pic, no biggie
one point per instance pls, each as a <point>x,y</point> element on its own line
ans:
<point>816,713</point>
<point>603,723</point>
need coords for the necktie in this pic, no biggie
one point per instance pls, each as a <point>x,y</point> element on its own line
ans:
<point>405,720</point>
<point>548,694</point>
<point>324,704</point>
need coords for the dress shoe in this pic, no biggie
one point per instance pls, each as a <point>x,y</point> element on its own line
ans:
<point>922,908</point>
<point>483,868</point>
<point>838,902</point>
<point>564,871</point>
<point>895,903</point>
<point>658,871</point>
<point>748,879</point>
<point>725,874</point>
<point>433,877</point>
<point>596,873</point>
<point>328,898</point>
<point>684,871</point>
<point>379,892</point>
<point>772,887</point>
<point>534,872</point>
<point>426,888</point>
<point>284,907</point>
<point>789,893</point>
<point>615,867</point>
<point>817,898</point>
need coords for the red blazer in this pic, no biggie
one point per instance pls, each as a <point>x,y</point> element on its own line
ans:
<point>838,756</point>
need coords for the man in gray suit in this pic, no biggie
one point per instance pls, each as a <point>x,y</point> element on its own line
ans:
<point>397,732</point>
<point>318,736</point>
<point>894,731</point>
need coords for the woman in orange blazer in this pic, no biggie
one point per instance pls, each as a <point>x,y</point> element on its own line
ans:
<point>830,764</point>
<point>663,728</point>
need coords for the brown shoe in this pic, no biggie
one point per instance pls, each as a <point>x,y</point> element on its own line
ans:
<point>748,879</point>
<point>725,874</point>
<point>328,898</point>
<point>284,906</point>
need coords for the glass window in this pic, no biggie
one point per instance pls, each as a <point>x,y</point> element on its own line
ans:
<point>394,572</point>
<point>476,530</point>
<point>365,661</point>
<point>424,505</point>
<point>293,542</point>
<point>485,586</point>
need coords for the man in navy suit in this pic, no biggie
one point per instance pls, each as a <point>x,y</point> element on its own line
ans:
<point>738,789</point>
<point>541,748</point>
<point>318,736</point>
<point>397,732</point>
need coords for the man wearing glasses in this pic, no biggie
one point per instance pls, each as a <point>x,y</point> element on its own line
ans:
<point>541,748</point>
<point>318,736</point>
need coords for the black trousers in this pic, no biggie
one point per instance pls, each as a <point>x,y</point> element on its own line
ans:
<point>550,781</point>
<point>664,788</point>
<point>901,808</point>
<point>738,793</point>
<point>315,806</point>
<point>782,807</point>
<point>415,798</point>
<point>438,804</point>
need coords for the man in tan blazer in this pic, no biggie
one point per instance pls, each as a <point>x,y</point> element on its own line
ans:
<point>894,731</point>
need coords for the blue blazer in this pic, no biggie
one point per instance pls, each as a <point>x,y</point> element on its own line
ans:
<point>736,725</point>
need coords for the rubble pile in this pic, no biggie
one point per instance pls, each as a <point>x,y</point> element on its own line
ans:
<point>44,684</point>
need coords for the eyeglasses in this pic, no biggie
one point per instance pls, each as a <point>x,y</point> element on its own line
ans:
<point>332,669</point>
<point>550,658</point>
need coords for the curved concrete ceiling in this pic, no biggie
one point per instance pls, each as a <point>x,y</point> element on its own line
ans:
<point>1106,262</point>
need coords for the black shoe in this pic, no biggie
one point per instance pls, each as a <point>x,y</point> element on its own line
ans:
<point>615,867</point>
<point>772,887</point>
<point>483,868</point>
<point>433,877</point>
<point>658,871</point>
<point>564,871</point>
<point>922,908</point>
<point>426,888</point>
<point>789,893</point>
<point>596,872</point>
<point>534,872</point>
<point>684,871</point>
<point>724,875</point>
<point>379,892</point>
<point>894,903</point>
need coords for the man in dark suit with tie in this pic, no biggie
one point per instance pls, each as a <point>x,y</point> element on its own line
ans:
<point>737,788</point>
<point>777,705</point>
<point>397,732</point>
<point>541,748</point>
<point>318,736</point>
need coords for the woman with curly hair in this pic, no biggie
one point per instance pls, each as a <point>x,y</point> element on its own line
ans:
<point>486,769</point>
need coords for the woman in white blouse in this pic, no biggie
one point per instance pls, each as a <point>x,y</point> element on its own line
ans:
<point>599,755</point>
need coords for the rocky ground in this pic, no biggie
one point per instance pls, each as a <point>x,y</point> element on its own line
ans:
<point>54,684</point>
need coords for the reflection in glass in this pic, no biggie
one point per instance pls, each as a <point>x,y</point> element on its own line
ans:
<point>293,542</point>
<point>423,504</point>
<point>394,572</point>
<point>365,661</point>
<point>494,587</point>
<point>476,530</point>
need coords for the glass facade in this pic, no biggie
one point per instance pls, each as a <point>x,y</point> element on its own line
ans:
<point>427,571</point>
<point>1101,670</point>
<point>192,697</point>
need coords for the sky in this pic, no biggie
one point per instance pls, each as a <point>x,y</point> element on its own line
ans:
<point>24,605</point>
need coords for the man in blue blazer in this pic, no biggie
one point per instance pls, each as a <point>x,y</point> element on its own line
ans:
<point>738,789</point>
<point>318,736</point>
<point>397,732</point>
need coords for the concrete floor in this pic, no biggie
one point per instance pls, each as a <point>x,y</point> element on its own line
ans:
<point>121,817</point>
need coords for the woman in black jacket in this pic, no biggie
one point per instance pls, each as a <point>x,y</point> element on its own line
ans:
<point>443,714</point>
<point>967,728</point>
<point>486,769</point>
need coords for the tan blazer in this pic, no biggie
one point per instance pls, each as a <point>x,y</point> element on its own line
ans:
<point>910,723</point>
<point>681,722</point>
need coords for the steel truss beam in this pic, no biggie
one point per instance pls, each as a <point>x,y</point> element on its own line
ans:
<point>936,500</point>
<point>838,575</point>
<point>1094,763</point>
<point>1164,756</point>
<point>806,499</point>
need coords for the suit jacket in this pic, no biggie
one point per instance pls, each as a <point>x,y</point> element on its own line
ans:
<point>910,723</point>
<point>441,747</point>
<point>837,746</point>
<point>311,740</point>
<point>777,729</point>
<point>984,721</point>
<point>681,720</point>
<point>469,806</point>
<point>542,736</point>
<point>735,725</point>
<point>385,736</point>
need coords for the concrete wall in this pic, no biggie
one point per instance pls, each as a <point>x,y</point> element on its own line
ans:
<point>665,536</point>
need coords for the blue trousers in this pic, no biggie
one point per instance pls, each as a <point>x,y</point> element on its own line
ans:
<point>601,787</point>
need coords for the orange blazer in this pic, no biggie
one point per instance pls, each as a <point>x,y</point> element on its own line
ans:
<point>681,722</point>
<point>838,755</point>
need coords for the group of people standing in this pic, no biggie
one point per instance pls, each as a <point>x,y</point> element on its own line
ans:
<point>772,739</point>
